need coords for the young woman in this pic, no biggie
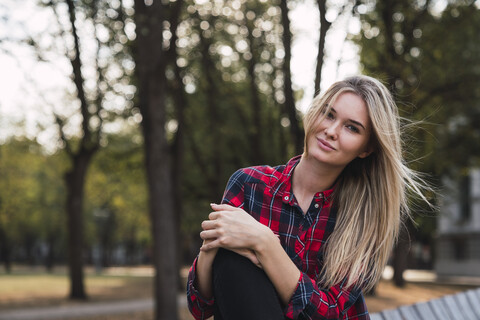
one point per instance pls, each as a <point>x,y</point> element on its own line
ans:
<point>303,240</point>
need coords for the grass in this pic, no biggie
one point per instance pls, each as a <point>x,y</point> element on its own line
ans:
<point>32,287</point>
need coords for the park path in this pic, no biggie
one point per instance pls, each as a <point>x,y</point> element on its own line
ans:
<point>84,310</point>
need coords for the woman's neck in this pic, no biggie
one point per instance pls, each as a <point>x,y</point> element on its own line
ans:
<point>311,176</point>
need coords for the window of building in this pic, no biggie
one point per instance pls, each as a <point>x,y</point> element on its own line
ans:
<point>465,197</point>
<point>460,249</point>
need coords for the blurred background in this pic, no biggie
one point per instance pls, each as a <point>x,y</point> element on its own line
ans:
<point>121,120</point>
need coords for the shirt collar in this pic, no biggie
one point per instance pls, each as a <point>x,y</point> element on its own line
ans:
<point>283,186</point>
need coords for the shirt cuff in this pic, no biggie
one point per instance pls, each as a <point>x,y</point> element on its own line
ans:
<point>194,293</point>
<point>301,297</point>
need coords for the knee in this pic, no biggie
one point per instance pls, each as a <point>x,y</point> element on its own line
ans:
<point>230,261</point>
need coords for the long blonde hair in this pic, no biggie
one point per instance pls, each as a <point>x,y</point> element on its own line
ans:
<point>370,193</point>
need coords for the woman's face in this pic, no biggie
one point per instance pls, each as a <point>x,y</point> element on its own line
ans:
<point>344,133</point>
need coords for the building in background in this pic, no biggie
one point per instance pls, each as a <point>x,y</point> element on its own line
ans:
<point>458,243</point>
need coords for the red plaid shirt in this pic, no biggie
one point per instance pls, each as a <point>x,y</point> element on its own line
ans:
<point>266,193</point>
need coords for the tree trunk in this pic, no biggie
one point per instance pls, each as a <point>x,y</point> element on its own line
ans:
<point>29,248</point>
<point>214,117</point>
<point>400,255</point>
<point>5,251</point>
<point>75,181</point>
<point>163,221</point>
<point>255,135</point>
<point>150,59</point>
<point>178,146</point>
<point>178,155</point>
<point>324,26</point>
<point>296,131</point>
<point>389,63</point>
<point>50,257</point>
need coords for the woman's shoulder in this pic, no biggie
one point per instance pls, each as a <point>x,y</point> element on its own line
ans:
<point>258,174</point>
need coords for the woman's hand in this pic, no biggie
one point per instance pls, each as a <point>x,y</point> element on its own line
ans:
<point>233,229</point>
<point>210,253</point>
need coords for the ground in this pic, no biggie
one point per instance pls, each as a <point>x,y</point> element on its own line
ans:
<point>28,288</point>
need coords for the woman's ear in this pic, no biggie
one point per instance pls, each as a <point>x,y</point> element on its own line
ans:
<point>369,150</point>
<point>372,145</point>
<point>365,154</point>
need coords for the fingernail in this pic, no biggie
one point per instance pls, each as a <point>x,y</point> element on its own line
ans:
<point>213,204</point>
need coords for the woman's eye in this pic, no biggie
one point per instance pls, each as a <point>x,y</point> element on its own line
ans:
<point>330,115</point>
<point>353,128</point>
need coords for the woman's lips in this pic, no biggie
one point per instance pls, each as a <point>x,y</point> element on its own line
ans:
<point>325,145</point>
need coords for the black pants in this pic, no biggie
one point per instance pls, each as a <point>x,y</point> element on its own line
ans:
<point>242,290</point>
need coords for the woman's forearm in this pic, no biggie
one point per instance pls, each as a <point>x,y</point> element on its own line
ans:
<point>204,273</point>
<point>278,266</point>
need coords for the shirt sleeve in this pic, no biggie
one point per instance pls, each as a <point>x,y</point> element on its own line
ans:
<point>310,302</point>
<point>200,307</point>
<point>234,192</point>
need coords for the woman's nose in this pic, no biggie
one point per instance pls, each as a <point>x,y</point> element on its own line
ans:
<point>332,130</point>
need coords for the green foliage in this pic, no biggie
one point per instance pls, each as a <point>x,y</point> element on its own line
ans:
<point>117,196</point>
<point>432,63</point>
<point>452,51</point>
<point>31,197</point>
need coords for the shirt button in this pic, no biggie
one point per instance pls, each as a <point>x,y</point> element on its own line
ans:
<point>316,205</point>
<point>286,198</point>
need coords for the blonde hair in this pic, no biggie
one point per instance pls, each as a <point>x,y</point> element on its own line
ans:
<point>370,193</point>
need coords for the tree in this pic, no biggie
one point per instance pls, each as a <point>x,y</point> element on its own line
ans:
<point>449,76</point>
<point>151,60</point>
<point>296,131</point>
<point>97,80</point>
<point>324,27</point>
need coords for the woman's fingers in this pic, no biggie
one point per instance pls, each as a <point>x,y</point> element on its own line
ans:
<point>209,224</point>
<point>209,234</point>
<point>232,227</point>
<point>224,206</point>
<point>210,245</point>
<point>226,210</point>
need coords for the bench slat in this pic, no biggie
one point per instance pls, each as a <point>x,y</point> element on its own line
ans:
<point>440,309</point>
<point>460,306</point>
<point>408,312</point>
<point>425,311</point>
<point>376,316</point>
<point>474,302</point>
<point>477,291</point>
<point>465,306</point>
<point>393,314</point>
<point>454,308</point>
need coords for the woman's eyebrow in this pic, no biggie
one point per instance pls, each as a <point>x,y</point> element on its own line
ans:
<point>357,123</point>
<point>351,120</point>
